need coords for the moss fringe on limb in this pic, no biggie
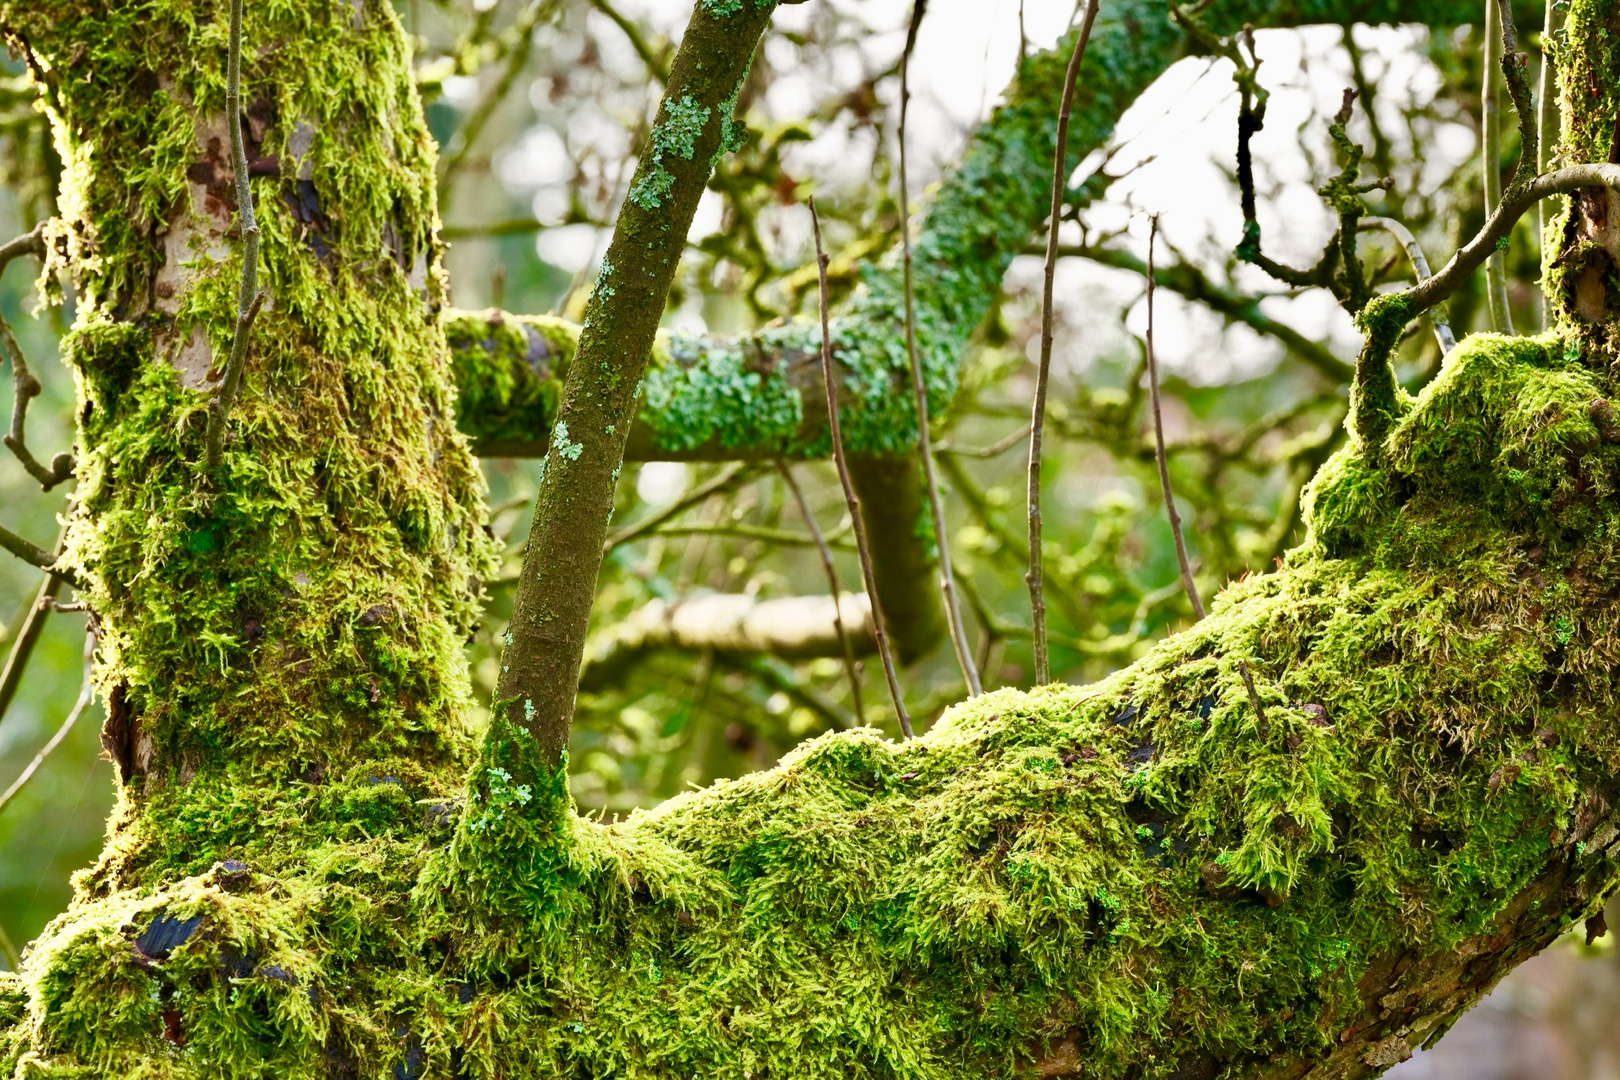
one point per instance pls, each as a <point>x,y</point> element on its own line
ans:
<point>1127,875</point>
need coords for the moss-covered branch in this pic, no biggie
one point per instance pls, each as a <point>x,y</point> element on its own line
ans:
<point>758,396</point>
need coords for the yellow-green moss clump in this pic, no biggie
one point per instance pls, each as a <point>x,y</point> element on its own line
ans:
<point>1140,875</point>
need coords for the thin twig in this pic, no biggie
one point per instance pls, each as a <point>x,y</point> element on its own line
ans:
<point>24,386</point>
<point>87,693</point>
<point>1187,581</point>
<point>743,531</point>
<point>1420,270</point>
<point>726,478</point>
<point>25,550</point>
<point>831,571</point>
<point>1548,123</point>
<point>248,298</point>
<point>919,389</point>
<point>830,385</point>
<point>27,637</point>
<point>1491,162</point>
<point>1163,459</point>
<point>1035,575</point>
<point>995,449</point>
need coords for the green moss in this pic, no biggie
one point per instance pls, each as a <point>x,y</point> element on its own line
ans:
<point>305,877</point>
<point>1139,867</point>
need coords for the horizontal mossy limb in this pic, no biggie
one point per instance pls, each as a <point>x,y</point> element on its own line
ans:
<point>1138,875</point>
<point>759,395</point>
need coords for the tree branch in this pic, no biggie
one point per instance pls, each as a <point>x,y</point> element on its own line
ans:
<point>789,628</point>
<point>22,650</point>
<point>1518,200</point>
<point>841,459</point>
<point>551,608</point>
<point>249,300</point>
<point>87,693</point>
<point>919,389</point>
<point>24,386</point>
<point>1420,270</point>
<point>1037,422</point>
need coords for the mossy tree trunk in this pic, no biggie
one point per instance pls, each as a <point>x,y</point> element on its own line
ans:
<point>1132,879</point>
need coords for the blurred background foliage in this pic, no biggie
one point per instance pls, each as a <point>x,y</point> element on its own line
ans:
<point>539,107</point>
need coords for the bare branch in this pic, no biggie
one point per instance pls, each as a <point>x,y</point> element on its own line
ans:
<point>1515,203</point>
<point>1420,270</point>
<point>828,568</point>
<point>925,445</point>
<point>1187,581</point>
<point>87,693</point>
<point>1037,592</point>
<point>995,449</point>
<point>840,458</point>
<point>248,298</point>
<point>724,480</point>
<point>24,386</point>
<point>25,550</point>
<point>1491,162</point>
<point>22,650</point>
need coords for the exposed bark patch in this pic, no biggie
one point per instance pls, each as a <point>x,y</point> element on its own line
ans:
<point>120,733</point>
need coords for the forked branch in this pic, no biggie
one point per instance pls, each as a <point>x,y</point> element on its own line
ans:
<point>24,386</point>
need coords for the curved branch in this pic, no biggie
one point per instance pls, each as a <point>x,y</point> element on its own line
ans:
<point>1420,269</point>
<point>1518,201</point>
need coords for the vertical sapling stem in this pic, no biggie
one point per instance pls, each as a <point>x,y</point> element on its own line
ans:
<point>830,384</point>
<point>1035,576</point>
<point>925,443</point>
